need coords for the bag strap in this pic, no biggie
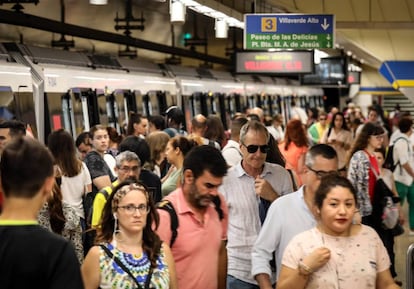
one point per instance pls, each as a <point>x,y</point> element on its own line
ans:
<point>166,205</point>
<point>125,269</point>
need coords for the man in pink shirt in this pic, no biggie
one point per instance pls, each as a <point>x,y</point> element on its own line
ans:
<point>199,247</point>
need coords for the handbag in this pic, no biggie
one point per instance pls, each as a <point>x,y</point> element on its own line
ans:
<point>384,208</point>
<point>125,269</point>
<point>397,230</point>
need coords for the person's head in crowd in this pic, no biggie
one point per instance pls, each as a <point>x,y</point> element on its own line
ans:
<point>236,125</point>
<point>177,148</point>
<point>128,166</point>
<point>295,132</point>
<point>335,196</point>
<point>137,124</point>
<point>277,120</point>
<point>26,171</point>
<point>156,123</point>
<point>62,146</point>
<point>259,112</point>
<point>405,125</point>
<point>157,142</point>
<point>198,125</point>
<point>114,137</point>
<point>254,139</point>
<point>84,144</point>
<point>136,145</point>
<point>372,134</point>
<point>9,130</point>
<point>338,121</point>
<point>203,170</point>
<point>320,160</point>
<point>129,210</point>
<point>215,130</point>
<point>174,117</point>
<point>372,114</point>
<point>380,154</point>
<point>100,138</point>
<point>323,118</point>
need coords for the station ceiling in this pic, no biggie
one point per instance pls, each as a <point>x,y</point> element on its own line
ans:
<point>374,31</point>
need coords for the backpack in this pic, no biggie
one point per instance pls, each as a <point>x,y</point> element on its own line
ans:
<point>389,162</point>
<point>106,192</point>
<point>168,206</point>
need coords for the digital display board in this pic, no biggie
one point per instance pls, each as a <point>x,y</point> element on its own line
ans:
<point>331,71</point>
<point>280,62</point>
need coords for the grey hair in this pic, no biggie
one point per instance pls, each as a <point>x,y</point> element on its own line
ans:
<point>253,125</point>
<point>126,156</point>
<point>323,150</point>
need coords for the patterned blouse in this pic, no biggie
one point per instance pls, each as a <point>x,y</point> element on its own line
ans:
<point>113,277</point>
<point>72,230</point>
<point>354,263</point>
<point>358,174</point>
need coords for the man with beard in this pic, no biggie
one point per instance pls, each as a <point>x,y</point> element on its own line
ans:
<point>128,167</point>
<point>199,247</point>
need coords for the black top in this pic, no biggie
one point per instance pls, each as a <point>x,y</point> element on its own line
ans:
<point>32,257</point>
<point>152,181</point>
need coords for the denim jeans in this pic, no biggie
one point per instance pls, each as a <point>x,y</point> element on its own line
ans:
<point>234,283</point>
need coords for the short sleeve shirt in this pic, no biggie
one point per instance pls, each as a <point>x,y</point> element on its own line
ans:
<point>354,262</point>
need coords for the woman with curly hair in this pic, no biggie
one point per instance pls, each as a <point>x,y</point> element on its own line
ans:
<point>128,252</point>
<point>294,147</point>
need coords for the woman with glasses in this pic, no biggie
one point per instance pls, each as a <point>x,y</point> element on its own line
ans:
<point>339,137</point>
<point>336,253</point>
<point>129,254</point>
<point>362,164</point>
<point>294,147</point>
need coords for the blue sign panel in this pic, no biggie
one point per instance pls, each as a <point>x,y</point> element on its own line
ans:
<point>297,31</point>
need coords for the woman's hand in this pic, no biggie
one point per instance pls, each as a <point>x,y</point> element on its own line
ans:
<point>318,258</point>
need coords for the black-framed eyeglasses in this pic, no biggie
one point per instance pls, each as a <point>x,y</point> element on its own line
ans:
<point>264,149</point>
<point>321,174</point>
<point>128,169</point>
<point>130,209</point>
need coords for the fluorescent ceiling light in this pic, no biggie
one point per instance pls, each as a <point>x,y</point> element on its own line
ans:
<point>98,2</point>
<point>215,10</point>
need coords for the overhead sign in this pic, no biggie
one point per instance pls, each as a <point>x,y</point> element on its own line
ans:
<point>288,31</point>
<point>281,62</point>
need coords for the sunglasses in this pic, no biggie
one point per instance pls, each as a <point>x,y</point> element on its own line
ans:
<point>264,149</point>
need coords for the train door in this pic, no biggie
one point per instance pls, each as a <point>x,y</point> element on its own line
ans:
<point>238,102</point>
<point>124,103</point>
<point>139,101</point>
<point>213,105</point>
<point>162,100</point>
<point>203,99</point>
<point>113,112</point>
<point>225,108</point>
<point>19,105</point>
<point>194,104</point>
<point>102,107</point>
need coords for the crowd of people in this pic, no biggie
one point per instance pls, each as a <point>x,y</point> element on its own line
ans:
<point>262,205</point>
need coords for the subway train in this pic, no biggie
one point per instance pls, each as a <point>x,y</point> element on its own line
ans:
<point>51,89</point>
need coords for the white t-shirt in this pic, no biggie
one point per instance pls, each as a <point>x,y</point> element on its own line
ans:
<point>73,189</point>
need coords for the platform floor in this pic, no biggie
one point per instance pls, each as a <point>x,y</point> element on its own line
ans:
<point>401,245</point>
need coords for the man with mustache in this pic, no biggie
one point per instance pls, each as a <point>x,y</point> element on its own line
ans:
<point>198,248</point>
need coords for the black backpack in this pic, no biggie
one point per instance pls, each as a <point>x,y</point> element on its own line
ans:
<point>168,206</point>
<point>389,162</point>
